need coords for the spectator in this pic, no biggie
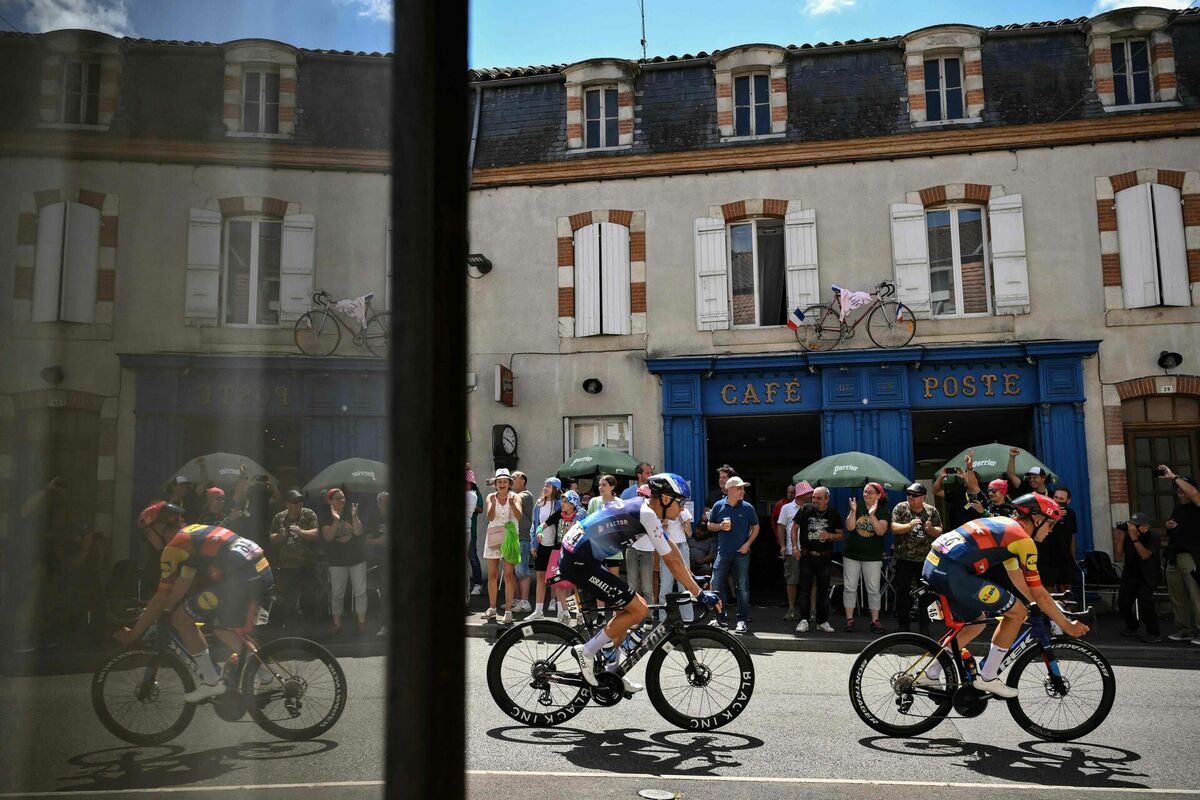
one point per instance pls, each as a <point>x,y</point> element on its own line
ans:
<point>1183,556</point>
<point>678,531</point>
<point>914,525</point>
<point>1056,551</point>
<point>951,485</point>
<point>377,551</point>
<point>215,512</point>
<point>724,473</point>
<point>608,494</point>
<point>501,507</point>
<point>815,528</point>
<point>801,494</point>
<point>293,562</point>
<point>546,538</point>
<point>569,512</point>
<point>1034,480</point>
<point>261,499</point>
<point>863,554</point>
<point>736,524</point>
<point>1136,545</point>
<point>473,496</point>
<point>639,556</point>
<point>187,495</point>
<point>345,550</point>
<point>644,470</point>
<point>523,567</point>
<point>702,550</point>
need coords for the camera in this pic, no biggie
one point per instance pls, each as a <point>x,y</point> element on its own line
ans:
<point>1123,526</point>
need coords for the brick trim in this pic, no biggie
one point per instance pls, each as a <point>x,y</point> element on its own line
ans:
<point>564,260</point>
<point>1188,385</point>
<point>253,204</point>
<point>751,207</point>
<point>930,196</point>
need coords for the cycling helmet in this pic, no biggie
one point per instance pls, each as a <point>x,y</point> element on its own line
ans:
<point>159,511</point>
<point>668,484</point>
<point>1029,504</point>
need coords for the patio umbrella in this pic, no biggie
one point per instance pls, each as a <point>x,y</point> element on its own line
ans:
<point>224,469</point>
<point>597,460</point>
<point>352,475</point>
<point>851,470</point>
<point>991,462</point>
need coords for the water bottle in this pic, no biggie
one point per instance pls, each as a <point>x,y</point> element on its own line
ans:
<point>229,671</point>
<point>968,661</point>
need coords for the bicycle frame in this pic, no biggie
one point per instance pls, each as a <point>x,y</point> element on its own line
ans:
<point>862,311</point>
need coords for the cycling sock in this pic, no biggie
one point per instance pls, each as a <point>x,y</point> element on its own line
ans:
<point>991,666</point>
<point>596,642</point>
<point>934,670</point>
<point>208,670</point>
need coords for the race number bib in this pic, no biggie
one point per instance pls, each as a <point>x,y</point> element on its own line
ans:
<point>246,549</point>
<point>944,544</point>
<point>571,540</point>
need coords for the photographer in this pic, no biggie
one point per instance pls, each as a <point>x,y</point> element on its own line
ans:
<point>1136,545</point>
<point>293,532</point>
<point>1183,554</point>
<point>951,485</point>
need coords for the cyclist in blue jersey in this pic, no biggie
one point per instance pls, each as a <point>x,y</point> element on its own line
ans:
<point>602,535</point>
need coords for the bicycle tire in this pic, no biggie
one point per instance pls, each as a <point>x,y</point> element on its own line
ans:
<point>317,333</point>
<point>919,644</point>
<point>740,690</point>
<point>556,635</point>
<point>293,686</point>
<point>821,329</point>
<point>891,324</point>
<point>377,335</point>
<point>1079,685</point>
<point>104,679</point>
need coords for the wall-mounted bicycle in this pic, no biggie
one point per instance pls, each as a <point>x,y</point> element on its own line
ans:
<point>890,323</point>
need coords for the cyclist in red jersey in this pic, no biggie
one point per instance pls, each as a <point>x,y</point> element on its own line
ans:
<point>987,567</point>
<point>208,573</point>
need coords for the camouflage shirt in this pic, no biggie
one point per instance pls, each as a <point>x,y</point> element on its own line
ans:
<point>913,546</point>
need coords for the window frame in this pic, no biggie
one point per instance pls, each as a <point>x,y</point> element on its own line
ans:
<point>86,63</point>
<point>940,58</point>
<point>956,266</point>
<point>255,221</point>
<point>750,76</point>
<point>1126,43</point>
<point>569,431</point>
<point>1159,489</point>
<point>262,71</point>
<point>754,223</point>
<point>602,89</point>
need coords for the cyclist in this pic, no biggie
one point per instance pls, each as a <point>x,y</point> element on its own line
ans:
<point>208,573</point>
<point>601,536</point>
<point>986,568</point>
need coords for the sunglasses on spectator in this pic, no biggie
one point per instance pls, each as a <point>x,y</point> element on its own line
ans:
<point>912,494</point>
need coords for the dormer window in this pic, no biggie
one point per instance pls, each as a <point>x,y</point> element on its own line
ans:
<point>752,104</point>
<point>260,89</point>
<point>1133,59</point>
<point>81,77</point>
<point>600,117</point>
<point>1131,71</point>
<point>600,104</point>
<point>944,65</point>
<point>81,92</point>
<point>943,88</point>
<point>260,100</point>
<point>751,83</point>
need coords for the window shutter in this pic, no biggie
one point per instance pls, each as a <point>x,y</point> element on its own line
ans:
<point>1172,252</point>
<point>298,252</point>
<point>80,262</point>
<point>800,245</point>
<point>614,278</point>
<point>910,256</point>
<point>712,275</point>
<point>1010,270</point>
<point>587,281</point>
<point>203,266</point>
<point>1135,232</point>
<point>47,273</point>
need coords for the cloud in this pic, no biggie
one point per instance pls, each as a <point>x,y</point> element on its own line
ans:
<point>109,16</point>
<point>815,8</point>
<point>374,10</point>
<point>1108,5</point>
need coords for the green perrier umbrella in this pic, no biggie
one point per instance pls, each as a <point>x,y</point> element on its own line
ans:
<point>991,462</point>
<point>224,469</point>
<point>851,470</point>
<point>597,460</point>
<point>352,475</point>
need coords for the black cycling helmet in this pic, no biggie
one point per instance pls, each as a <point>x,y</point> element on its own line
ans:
<point>159,511</point>
<point>1029,504</point>
<point>668,484</point>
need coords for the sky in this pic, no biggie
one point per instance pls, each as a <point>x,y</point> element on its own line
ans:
<point>523,32</point>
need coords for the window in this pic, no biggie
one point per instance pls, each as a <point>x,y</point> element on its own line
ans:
<point>751,105</point>
<point>1146,449</point>
<point>958,269</point>
<point>260,101</point>
<point>602,278</point>
<point>1131,71</point>
<point>601,117</point>
<point>943,88</point>
<point>1152,246</point>
<point>756,273</point>
<point>81,93</point>
<point>252,254</point>
<point>615,433</point>
<point>67,257</point>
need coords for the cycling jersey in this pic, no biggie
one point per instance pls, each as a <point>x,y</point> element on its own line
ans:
<point>982,544</point>
<point>616,525</point>
<point>210,550</point>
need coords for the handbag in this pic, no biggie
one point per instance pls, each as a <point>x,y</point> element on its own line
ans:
<point>552,570</point>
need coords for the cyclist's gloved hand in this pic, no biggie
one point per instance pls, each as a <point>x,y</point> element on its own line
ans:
<point>710,598</point>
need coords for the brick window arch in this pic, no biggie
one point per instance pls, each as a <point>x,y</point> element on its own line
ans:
<point>635,224</point>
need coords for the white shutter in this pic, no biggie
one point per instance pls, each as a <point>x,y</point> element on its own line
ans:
<point>298,252</point>
<point>800,245</point>
<point>587,281</point>
<point>1135,231</point>
<point>910,256</point>
<point>1010,270</point>
<point>614,279</point>
<point>712,275</point>
<point>47,273</point>
<point>80,262</point>
<point>203,285</point>
<point>1172,252</point>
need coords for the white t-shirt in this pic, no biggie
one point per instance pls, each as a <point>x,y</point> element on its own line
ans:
<point>786,514</point>
<point>674,527</point>
<point>472,499</point>
<point>654,538</point>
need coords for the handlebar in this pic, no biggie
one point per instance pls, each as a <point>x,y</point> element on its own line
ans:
<point>885,288</point>
<point>321,298</point>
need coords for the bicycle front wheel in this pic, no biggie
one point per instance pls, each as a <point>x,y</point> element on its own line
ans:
<point>883,688</point>
<point>138,696</point>
<point>708,692</point>
<point>377,336</point>
<point>294,688</point>
<point>821,329</point>
<point>891,324</point>
<point>533,676</point>
<point>1062,709</point>
<point>318,333</point>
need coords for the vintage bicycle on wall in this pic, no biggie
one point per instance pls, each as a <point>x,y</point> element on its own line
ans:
<point>890,323</point>
<point>319,332</point>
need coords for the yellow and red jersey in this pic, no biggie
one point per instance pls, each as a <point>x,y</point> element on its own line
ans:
<point>210,550</point>
<point>982,544</point>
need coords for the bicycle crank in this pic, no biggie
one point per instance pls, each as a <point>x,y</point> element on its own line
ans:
<point>969,701</point>
<point>610,691</point>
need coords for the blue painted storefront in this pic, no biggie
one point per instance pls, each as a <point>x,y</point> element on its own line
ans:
<point>866,398</point>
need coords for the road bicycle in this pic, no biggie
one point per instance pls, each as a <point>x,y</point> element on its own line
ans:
<point>292,688</point>
<point>1066,686</point>
<point>698,677</point>
<point>890,323</point>
<point>319,332</point>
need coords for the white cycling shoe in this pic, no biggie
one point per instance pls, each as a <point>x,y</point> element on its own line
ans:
<point>994,686</point>
<point>587,665</point>
<point>203,691</point>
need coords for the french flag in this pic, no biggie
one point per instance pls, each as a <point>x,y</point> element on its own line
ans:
<point>795,319</point>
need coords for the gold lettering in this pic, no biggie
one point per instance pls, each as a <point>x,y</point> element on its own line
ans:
<point>1010,383</point>
<point>281,394</point>
<point>243,394</point>
<point>226,391</point>
<point>930,384</point>
<point>750,393</point>
<point>988,380</point>
<point>950,386</point>
<point>204,396</point>
<point>791,391</point>
<point>727,396</point>
<point>771,389</point>
<point>262,395</point>
<point>968,386</point>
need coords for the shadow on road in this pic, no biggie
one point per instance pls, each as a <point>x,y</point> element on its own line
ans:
<point>620,751</point>
<point>1055,763</point>
<point>161,766</point>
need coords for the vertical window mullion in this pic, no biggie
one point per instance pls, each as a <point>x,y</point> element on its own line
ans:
<point>252,300</point>
<point>956,256</point>
<point>754,260</point>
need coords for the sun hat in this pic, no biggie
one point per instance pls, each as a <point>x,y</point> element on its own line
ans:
<point>734,482</point>
<point>802,488</point>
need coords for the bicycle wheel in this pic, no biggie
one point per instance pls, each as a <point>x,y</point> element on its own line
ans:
<point>139,709</point>
<point>709,694</point>
<point>891,324</point>
<point>882,690</point>
<point>306,695</point>
<point>1066,709</point>
<point>528,670</point>
<point>377,336</point>
<point>318,333</point>
<point>821,329</point>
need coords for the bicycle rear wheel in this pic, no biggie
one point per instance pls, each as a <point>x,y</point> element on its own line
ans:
<point>525,674</point>
<point>821,329</point>
<point>377,336</point>
<point>318,333</point>
<point>883,690</point>
<point>1061,710</point>
<point>138,707</point>
<point>891,324</point>
<point>305,693</point>
<point>707,694</point>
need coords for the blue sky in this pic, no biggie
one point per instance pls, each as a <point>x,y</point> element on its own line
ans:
<point>521,32</point>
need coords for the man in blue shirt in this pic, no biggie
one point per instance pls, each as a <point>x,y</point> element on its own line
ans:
<point>644,471</point>
<point>736,524</point>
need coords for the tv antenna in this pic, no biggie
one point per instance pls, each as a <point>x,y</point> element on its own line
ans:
<point>642,6</point>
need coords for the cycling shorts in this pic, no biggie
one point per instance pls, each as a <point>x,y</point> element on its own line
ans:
<point>233,601</point>
<point>970,595</point>
<point>582,569</point>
